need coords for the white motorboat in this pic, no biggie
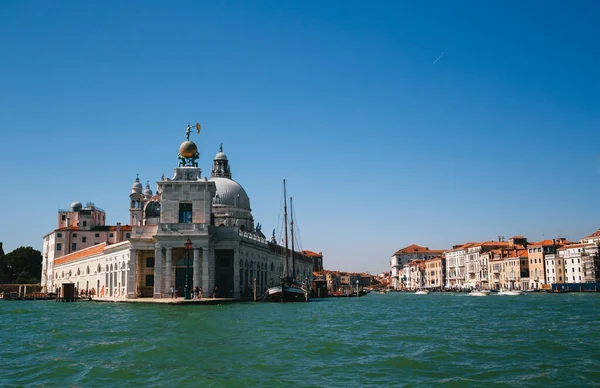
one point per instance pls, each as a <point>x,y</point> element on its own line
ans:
<point>421,292</point>
<point>510,292</point>
<point>479,293</point>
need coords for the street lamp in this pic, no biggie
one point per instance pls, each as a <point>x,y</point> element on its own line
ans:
<point>357,287</point>
<point>188,247</point>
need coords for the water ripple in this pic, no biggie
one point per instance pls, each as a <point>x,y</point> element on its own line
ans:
<point>379,340</point>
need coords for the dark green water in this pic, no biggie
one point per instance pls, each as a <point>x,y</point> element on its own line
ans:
<point>394,340</point>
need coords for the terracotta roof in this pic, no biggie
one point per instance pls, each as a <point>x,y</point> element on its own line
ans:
<point>312,254</point>
<point>577,246</point>
<point>93,250</point>
<point>128,228</point>
<point>543,243</point>
<point>493,244</point>
<point>71,228</point>
<point>414,248</point>
<point>461,247</point>
<point>595,234</point>
<point>514,254</point>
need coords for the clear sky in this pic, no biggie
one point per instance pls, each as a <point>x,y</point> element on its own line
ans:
<point>400,122</point>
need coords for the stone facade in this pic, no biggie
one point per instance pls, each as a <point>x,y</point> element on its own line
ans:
<point>227,253</point>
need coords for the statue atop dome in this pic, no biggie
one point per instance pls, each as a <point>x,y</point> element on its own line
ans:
<point>188,151</point>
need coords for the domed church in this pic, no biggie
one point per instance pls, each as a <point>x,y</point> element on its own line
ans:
<point>194,231</point>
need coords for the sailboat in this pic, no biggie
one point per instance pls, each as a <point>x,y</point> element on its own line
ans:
<point>290,289</point>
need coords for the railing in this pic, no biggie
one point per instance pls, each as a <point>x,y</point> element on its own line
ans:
<point>176,227</point>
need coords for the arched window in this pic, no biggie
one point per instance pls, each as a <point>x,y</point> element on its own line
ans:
<point>87,270</point>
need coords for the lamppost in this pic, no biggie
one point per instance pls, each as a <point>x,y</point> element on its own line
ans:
<point>356,287</point>
<point>188,247</point>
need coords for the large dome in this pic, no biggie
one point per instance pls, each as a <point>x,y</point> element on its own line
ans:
<point>230,193</point>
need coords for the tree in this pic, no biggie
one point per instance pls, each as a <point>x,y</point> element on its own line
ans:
<point>23,266</point>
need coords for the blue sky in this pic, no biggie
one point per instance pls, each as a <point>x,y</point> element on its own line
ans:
<point>383,142</point>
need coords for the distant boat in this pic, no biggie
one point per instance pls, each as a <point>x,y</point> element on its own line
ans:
<point>510,292</point>
<point>421,292</point>
<point>479,293</point>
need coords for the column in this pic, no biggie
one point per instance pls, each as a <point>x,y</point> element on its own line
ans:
<point>197,277</point>
<point>157,271</point>
<point>131,286</point>
<point>206,281</point>
<point>169,260</point>
<point>236,273</point>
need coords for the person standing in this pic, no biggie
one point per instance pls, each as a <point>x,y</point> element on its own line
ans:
<point>199,292</point>
<point>172,292</point>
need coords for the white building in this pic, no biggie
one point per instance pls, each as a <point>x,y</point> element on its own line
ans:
<point>399,260</point>
<point>149,257</point>
<point>577,259</point>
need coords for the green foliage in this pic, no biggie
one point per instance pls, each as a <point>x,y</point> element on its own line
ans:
<point>22,266</point>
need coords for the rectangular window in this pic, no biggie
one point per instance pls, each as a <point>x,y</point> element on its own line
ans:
<point>58,235</point>
<point>185,213</point>
<point>84,223</point>
<point>127,235</point>
<point>111,235</point>
<point>63,217</point>
<point>74,234</point>
<point>59,246</point>
<point>150,262</point>
<point>73,247</point>
<point>149,280</point>
<point>84,239</point>
<point>97,235</point>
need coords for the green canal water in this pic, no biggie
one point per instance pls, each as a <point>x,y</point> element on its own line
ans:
<point>397,339</point>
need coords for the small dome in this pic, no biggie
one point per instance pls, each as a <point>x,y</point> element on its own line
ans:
<point>220,156</point>
<point>230,193</point>
<point>137,186</point>
<point>147,191</point>
<point>188,149</point>
<point>76,206</point>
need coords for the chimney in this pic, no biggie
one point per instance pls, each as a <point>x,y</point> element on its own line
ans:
<point>553,241</point>
<point>118,236</point>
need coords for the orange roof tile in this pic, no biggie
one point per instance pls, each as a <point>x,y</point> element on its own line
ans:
<point>595,234</point>
<point>576,246</point>
<point>414,248</point>
<point>93,250</point>
<point>311,254</point>
<point>123,228</point>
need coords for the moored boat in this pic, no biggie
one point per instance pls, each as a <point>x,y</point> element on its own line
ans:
<point>422,292</point>
<point>290,289</point>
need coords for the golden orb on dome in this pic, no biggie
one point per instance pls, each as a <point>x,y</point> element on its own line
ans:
<point>188,149</point>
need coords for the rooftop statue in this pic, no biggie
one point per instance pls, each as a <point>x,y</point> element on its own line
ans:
<point>188,152</point>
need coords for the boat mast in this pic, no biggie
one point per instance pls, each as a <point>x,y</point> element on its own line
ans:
<point>292,236</point>
<point>286,263</point>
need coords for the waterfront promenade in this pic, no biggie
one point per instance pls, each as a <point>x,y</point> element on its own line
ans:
<point>173,301</point>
